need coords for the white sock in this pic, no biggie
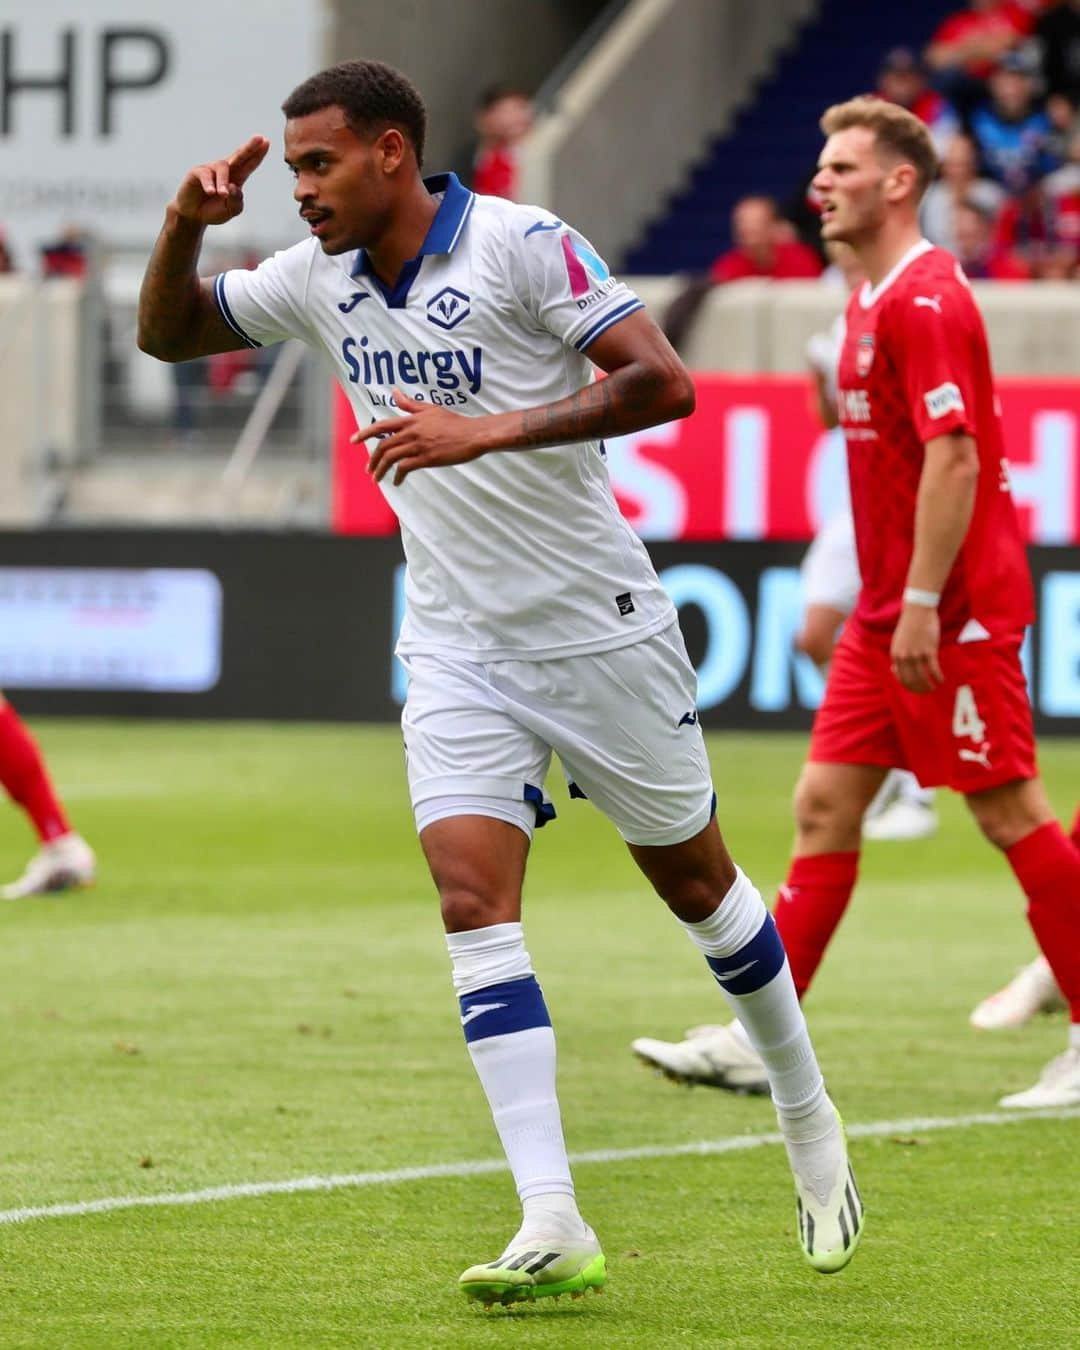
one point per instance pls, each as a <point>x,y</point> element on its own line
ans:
<point>512,1047</point>
<point>744,952</point>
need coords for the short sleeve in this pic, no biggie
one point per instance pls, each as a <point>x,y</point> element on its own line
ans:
<point>937,358</point>
<point>564,283</point>
<point>265,305</point>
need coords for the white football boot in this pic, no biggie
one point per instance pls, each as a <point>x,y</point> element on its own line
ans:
<point>538,1267</point>
<point>718,1057</point>
<point>828,1206</point>
<point>901,820</point>
<point>63,864</point>
<point>901,810</point>
<point>1032,990</point>
<point>1058,1085</point>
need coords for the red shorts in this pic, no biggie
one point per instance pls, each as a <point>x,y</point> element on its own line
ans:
<point>972,733</point>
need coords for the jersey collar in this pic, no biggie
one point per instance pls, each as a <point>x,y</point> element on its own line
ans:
<point>868,297</point>
<point>443,235</point>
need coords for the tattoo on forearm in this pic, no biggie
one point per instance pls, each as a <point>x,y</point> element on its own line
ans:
<point>624,401</point>
<point>169,296</point>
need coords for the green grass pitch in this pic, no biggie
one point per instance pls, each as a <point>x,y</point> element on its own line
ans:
<point>257,990</point>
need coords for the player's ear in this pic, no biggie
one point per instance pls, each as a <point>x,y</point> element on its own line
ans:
<point>900,182</point>
<point>392,147</point>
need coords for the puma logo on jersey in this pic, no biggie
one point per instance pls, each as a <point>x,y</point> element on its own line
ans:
<point>981,756</point>
<point>929,302</point>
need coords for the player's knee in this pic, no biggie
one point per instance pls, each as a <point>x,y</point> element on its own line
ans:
<point>467,905</point>
<point>1007,815</point>
<point>820,810</point>
<point>693,898</point>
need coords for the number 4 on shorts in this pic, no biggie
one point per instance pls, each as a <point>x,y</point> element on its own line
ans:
<point>966,721</point>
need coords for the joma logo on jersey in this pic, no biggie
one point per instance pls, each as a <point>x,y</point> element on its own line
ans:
<point>864,355</point>
<point>854,405</point>
<point>448,307</point>
<point>450,369</point>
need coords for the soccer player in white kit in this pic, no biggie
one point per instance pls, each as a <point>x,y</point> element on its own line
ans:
<point>462,329</point>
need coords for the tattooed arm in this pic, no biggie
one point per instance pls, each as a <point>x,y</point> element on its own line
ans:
<point>646,384</point>
<point>178,316</point>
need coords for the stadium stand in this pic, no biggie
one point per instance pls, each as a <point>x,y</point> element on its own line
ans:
<point>775,139</point>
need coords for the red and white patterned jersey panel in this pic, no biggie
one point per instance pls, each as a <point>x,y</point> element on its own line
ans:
<point>915,365</point>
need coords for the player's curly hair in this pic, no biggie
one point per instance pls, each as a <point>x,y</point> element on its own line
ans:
<point>897,131</point>
<point>373,96</point>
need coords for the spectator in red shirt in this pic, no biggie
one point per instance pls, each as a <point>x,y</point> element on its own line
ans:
<point>902,80</point>
<point>974,39</point>
<point>765,246</point>
<point>503,119</point>
<point>969,44</point>
<point>977,252</point>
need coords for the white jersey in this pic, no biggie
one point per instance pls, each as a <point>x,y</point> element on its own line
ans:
<point>521,553</point>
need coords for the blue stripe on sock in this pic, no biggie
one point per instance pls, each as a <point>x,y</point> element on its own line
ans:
<point>500,1009</point>
<point>752,966</point>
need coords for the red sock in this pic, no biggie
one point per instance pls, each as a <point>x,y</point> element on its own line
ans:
<point>24,776</point>
<point>809,906</point>
<point>1074,829</point>
<point>1047,866</point>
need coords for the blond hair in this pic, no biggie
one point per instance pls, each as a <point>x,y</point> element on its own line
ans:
<point>898,132</point>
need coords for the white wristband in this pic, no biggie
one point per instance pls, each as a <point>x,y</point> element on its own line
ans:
<point>928,599</point>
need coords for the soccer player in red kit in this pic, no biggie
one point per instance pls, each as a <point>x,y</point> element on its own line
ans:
<point>927,673</point>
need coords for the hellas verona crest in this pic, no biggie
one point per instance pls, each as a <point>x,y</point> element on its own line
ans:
<point>448,307</point>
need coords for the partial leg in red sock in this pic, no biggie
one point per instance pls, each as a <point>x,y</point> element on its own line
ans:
<point>26,779</point>
<point>809,907</point>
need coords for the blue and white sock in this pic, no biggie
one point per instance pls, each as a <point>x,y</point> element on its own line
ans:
<point>512,1046</point>
<point>747,959</point>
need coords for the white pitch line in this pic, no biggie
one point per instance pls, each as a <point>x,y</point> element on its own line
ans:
<point>350,1180</point>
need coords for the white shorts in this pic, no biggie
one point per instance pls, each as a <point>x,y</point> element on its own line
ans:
<point>830,568</point>
<point>479,738</point>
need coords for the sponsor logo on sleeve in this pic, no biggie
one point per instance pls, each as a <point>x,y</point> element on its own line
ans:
<point>946,398</point>
<point>584,269</point>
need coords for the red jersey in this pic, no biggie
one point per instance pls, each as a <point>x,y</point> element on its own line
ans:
<point>915,365</point>
<point>495,172</point>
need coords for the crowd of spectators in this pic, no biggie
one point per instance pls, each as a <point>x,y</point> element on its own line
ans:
<point>1008,198</point>
<point>998,85</point>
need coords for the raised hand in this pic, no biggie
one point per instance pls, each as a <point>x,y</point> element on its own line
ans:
<point>214,193</point>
